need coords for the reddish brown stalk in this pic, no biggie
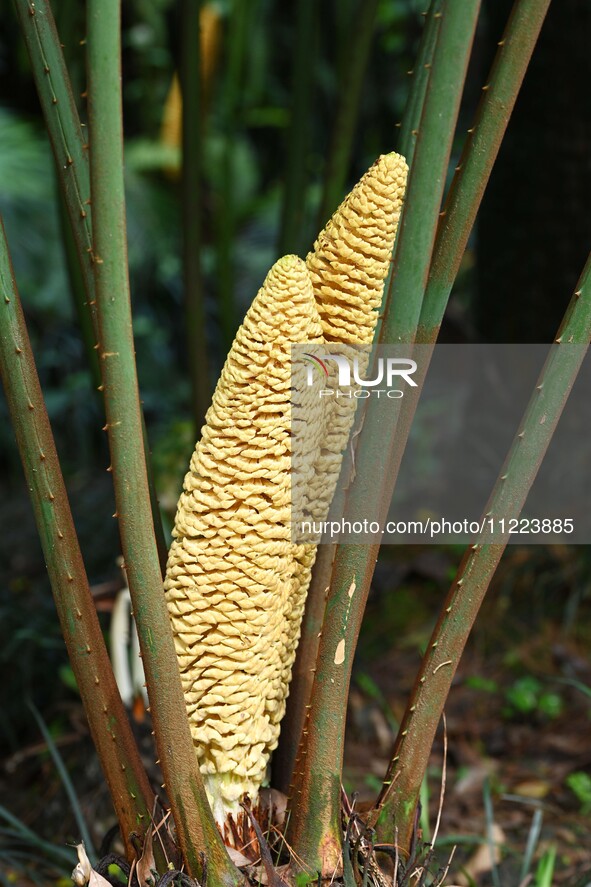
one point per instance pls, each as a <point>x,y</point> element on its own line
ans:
<point>130,790</point>
<point>198,836</point>
<point>304,668</point>
<point>413,743</point>
<point>315,827</point>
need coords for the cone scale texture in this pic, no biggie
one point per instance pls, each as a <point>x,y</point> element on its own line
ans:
<point>235,583</point>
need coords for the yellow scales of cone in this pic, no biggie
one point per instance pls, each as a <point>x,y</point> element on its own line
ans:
<point>235,583</point>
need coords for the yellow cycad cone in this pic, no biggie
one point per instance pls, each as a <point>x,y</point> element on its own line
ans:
<point>351,256</point>
<point>348,267</point>
<point>235,583</point>
<point>230,574</point>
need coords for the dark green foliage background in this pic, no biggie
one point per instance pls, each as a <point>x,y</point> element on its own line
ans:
<point>28,202</point>
<point>258,132</point>
<point>550,140</point>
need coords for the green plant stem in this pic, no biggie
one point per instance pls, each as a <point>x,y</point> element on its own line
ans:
<point>302,677</point>
<point>191,88</point>
<point>349,94</point>
<point>316,832</point>
<point>411,262</point>
<point>418,225</point>
<point>63,125</point>
<point>409,127</point>
<point>462,204</point>
<point>78,294</point>
<point>129,787</point>
<point>225,209</point>
<point>478,157</point>
<point>413,744</point>
<point>469,182</point>
<point>303,674</point>
<point>315,821</point>
<point>70,152</point>
<point>460,211</point>
<point>461,207</point>
<point>292,216</point>
<point>199,839</point>
<point>468,185</point>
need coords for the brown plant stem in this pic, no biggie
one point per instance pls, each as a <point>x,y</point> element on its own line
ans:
<point>130,790</point>
<point>314,829</point>
<point>307,652</point>
<point>63,125</point>
<point>409,126</point>
<point>399,796</point>
<point>494,111</point>
<point>199,839</point>
<point>304,668</point>
<point>70,151</point>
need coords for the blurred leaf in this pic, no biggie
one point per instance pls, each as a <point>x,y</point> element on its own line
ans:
<point>143,155</point>
<point>550,704</point>
<point>244,173</point>
<point>545,871</point>
<point>117,872</point>
<point>580,784</point>
<point>24,835</point>
<point>67,677</point>
<point>577,684</point>
<point>65,778</point>
<point>523,695</point>
<point>486,685</point>
<point>28,206</point>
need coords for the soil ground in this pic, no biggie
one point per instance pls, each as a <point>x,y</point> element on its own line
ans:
<point>518,716</point>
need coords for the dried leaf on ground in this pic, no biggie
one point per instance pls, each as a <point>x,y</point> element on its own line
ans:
<point>84,873</point>
<point>146,865</point>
